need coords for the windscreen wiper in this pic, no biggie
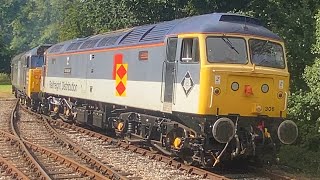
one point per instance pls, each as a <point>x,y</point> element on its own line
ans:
<point>229,43</point>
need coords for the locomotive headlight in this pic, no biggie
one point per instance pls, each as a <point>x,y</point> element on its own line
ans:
<point>280,95</point>
<point>264,88</point>
<point>235,86</point>
<point>223,130</point>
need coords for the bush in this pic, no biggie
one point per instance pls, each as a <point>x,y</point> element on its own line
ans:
<point>301,159</point>
<point>4,79</point>
<point>304,108</point>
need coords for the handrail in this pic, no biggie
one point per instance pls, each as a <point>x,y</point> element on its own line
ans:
<point>285,101</point>
<point>161,93</point>
<point>211,97</point>
<point>175,80</point>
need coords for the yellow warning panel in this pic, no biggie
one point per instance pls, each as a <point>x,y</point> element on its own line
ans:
<point>33,82</point>
<point>121,79</point>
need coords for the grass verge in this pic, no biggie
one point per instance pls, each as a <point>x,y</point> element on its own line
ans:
<point>5,91</point>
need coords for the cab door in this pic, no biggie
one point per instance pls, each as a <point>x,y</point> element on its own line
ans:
<point>169,67</point>
<point>187,83</point>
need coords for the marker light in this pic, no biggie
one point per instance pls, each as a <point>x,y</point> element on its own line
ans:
<point>264,88</point>
<point>280,95</point>
<point>217,91</point>
<point>235,86</point>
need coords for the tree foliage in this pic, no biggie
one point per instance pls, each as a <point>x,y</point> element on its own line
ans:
<point>4,56</point>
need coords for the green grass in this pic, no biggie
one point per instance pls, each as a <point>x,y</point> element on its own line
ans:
<point>5,91</point>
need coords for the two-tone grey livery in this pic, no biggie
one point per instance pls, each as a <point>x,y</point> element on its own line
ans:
<point>165,85</point>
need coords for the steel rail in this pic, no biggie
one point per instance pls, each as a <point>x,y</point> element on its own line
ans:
<point>8,99</point>
<point>178,165</point>
<point>189,169</point>
<point>25,153</point>
<point>80,168</point>
<point>11,170</point>
<point>39,170</point>
<point>71,163</point>
<point>104,169</point>
<point>151,155</point>
<point>41,173</point>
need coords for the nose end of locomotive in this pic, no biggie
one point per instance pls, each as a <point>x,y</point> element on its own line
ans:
<point>287,132</point>
<point>223,130</point>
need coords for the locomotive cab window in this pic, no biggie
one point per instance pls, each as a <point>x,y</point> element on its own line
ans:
<point>190,50</point>
<point>266,53</point>
<point>36,61</point>
<point>229,50</point>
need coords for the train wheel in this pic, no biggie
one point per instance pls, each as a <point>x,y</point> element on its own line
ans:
<point>175,142</point>
<point>188,160</point>
<point>153,150</point>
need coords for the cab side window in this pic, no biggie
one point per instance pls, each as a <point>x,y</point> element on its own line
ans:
<point>190,50</point>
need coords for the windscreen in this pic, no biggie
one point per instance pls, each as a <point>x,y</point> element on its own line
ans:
<point>266,53</point>
<point>229,50</point>
<point>36,61</point>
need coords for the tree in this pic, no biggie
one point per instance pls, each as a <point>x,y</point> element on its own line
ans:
<point>292,20</point>
<point>5,54</point>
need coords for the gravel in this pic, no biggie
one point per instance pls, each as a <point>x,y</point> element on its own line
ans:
<point>34,131</point>
<point>5,114</point>
<point>124,160</point>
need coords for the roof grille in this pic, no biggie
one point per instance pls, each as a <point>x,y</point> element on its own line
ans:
<point>56,48</point>
<point>108,41</point>
<point>136,34</point>
<point>159,32</point>
<point>242,19</point>
<point>89,43</point>
<point>74,46</point>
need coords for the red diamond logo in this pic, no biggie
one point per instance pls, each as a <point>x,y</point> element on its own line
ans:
<point>121,71</point>
<point>120,88</point>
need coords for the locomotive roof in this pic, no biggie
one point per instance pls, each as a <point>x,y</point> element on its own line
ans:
<point>34,51</point>
<point>155,33</point>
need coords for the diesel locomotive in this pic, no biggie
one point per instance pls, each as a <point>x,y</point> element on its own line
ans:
<point>26,74</point>
<point>204,89</point>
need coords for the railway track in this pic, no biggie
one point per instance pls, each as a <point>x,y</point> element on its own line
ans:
<point>6,109</point>
<point>124,156</point>
<point>41,138</point>
<point>103,143</point>
<point>15,161</point>
<point>106,153</point>
<point>23,158</point>
<point>67,151</point>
